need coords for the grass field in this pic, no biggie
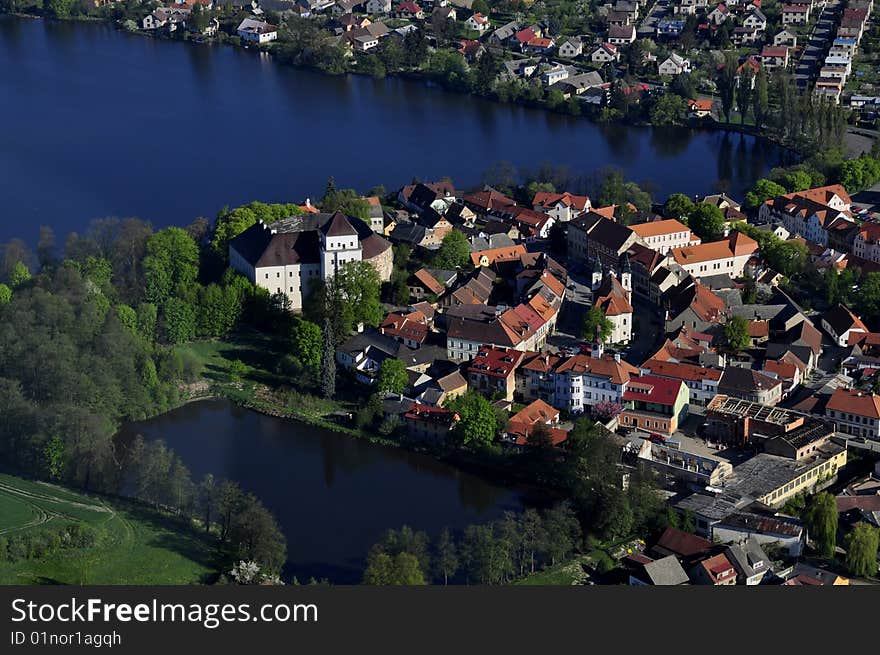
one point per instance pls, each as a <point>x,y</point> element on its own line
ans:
<point>135,546</point>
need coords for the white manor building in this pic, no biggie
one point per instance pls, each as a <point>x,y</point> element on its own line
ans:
<point>289,255</point>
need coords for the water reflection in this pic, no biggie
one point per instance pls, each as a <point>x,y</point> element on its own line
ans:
<point>333,495</point>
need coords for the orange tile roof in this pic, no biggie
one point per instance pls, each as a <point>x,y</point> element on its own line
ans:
<point>656,228</point>
<point>606,366</point>
<point>498,254</point>
<point>681,371</point>
<point>546,200</point>
<point>536,412</point>
<point>856,402</point>
<point>738,244</point>
<point>783,370</point>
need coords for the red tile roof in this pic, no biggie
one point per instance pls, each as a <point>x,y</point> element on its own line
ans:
<point>653,389</point>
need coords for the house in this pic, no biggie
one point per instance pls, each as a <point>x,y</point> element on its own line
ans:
<point>773,57</point>
<point>540,45</point>
<point>803,574</point>
<point>563,207</point>
<point>666,571</point>
<point>504,34</point>
<point>694,306</point>
<point>424,283</point>
<point>430,424</point>
<point>411,329</point>
<point>495,255</point>
<point>681,544</point>
<point>839,322</point>
<point>762,528</point>
<point>621,34</point>
<point>785,37</point>
<point>289,255</point>
<point>523,424</point>
<point>377,7</point>
<point>572,47</point>
<point>256,31</point>
<point>577,383</point>
<point>466,335</point>
<point>669,29</point>
<point>750,385</point>
<point>491,371</point>
<point>447,13</point>
<point>593,236</point>
<point>716,570</point>
<point>866,242</point>
<point>809,213</point>
<point>675,64</point>
<point>409,11</point>
<point>702,382</point>
<point>665,235</point>
<point>654,404</point>
<point>606,52</point>
<point>855,412</point>
<point>701,108</point>
<point>795,14</point>
<point>718,15</point>
<point>728,257</point>
<point>478,23</point>
<point>755,20</point>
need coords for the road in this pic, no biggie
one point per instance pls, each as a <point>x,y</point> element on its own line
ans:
<point>813,56</point>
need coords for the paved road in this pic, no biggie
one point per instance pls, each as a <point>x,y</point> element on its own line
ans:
<point>648,25</point>
<point>807,69</point>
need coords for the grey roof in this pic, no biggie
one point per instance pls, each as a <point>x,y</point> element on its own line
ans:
<point>666,571</point>
<point>506,31</point>
<point>839,318</point>
<point>758,312</point>
<point>745,380</point>
<point>748,558</point>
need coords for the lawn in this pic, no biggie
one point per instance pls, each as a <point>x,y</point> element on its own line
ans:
<point>135,545</point>
<point>564,574</point>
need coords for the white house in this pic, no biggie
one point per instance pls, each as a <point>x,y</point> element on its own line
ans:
<point>808,213</point>
<point>839,322</point>
<point>756,20</point>
<point>665,235</point>
<point>478,23</point>
<point>572,47</point>
<point>378,7</point>
<point>605,53</point>
<point>855,412</point>
<point>728,257</point>
<point>795,14</point>
<point>582,381</point>
<point>675,64</point>
<point>256,31</point>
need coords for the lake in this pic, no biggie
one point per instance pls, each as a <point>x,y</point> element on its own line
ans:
<point>333,495</point>
<point>98,122</point>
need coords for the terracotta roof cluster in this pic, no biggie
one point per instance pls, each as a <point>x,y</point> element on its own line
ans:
<point>618,372</point>
<point>431,283</point>
<point>612,297</point>
<point>551,200</point>
<point>431,414</point>
<point>412,326</point>
<point>495,255</point>
<point>495,361</point>
<point>658,228</point>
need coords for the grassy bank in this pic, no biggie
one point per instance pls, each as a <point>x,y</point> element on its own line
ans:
<point>134,545</point>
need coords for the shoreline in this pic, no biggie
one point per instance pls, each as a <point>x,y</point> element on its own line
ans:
<point>428,81</point>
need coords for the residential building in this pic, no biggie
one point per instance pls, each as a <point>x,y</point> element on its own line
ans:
<point>680,464</point>
<point>839,322</point>
<point>693,305</point>
<point>718,257</point>
<point>605,53</point>
<point>654,404</point>
<point>701,382</point>
<point>290,255</point>
<point>808,213</point>
<point>716,570</point>
<point>571,47</point>
<point>773,57</point>
<point>613,297</point>
<point>377,7</point>
<point>749,560</point>
<point>750,385</point>
<point>795,14</point>
<point>666,571</point>
<point>581,381</point>
<point>665,235</point>
<point>491,371</point>
<point>593,236</point>
<point>430,424</point>
<point>523,424</point>
<point>621,34</point>
<point>256,31</point>
<point>855,412</point>
<point>675,64</point>
<point>478,23</point>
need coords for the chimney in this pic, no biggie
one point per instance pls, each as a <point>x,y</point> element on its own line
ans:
<point>617,357</point>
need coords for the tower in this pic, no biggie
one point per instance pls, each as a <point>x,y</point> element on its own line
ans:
<point>626,276</point>
<point>596,278</point>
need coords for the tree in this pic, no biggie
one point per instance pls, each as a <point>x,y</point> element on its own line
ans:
<point>679,206</point>
<point>736,331</point>
<point>454,252</point>
<point>727,84</point>
<point>707,221</point>
<point>255,535</point>
<point>446,555</point>
<point>392,376</point>
<point>563,531</point>
<point>744,93</point>
<point>597,327</point>
<point>763,190</point>
<point>478,421</point>
<point>328,363</point>
<point>19,275</point>
<point>605,410</point>
<point>207,500</point>
<point>179,321</point>
<point>401,569</point>
<point>172,261</point>
<point>5,295</point>
<point>229,224</point>
<point>306,342</point>
<point>861,551</point>
<point>760,98</point>
<point>669,109</point>
<point>821,518</point>
<point>61,8</point>
<point>868,295</point>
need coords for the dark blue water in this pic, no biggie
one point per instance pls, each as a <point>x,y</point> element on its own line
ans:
<point>334,496</point>
<point>99,123</point>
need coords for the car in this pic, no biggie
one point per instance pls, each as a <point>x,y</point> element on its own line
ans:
<point>658,438</point>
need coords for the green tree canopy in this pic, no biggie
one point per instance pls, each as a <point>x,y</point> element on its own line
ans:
<point>307,344</point>
<point>172,261</point>
<point>596,323</point>
<point>821,518</point>
<point>679,206</point>
<point>861,551</point>
<point>707,221</point>
<point>229,224</point>
<point>392,376</point>
<point>763,190</point>
<point>736,331</point>
<point>478,420</point>
<point>454,252</point>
